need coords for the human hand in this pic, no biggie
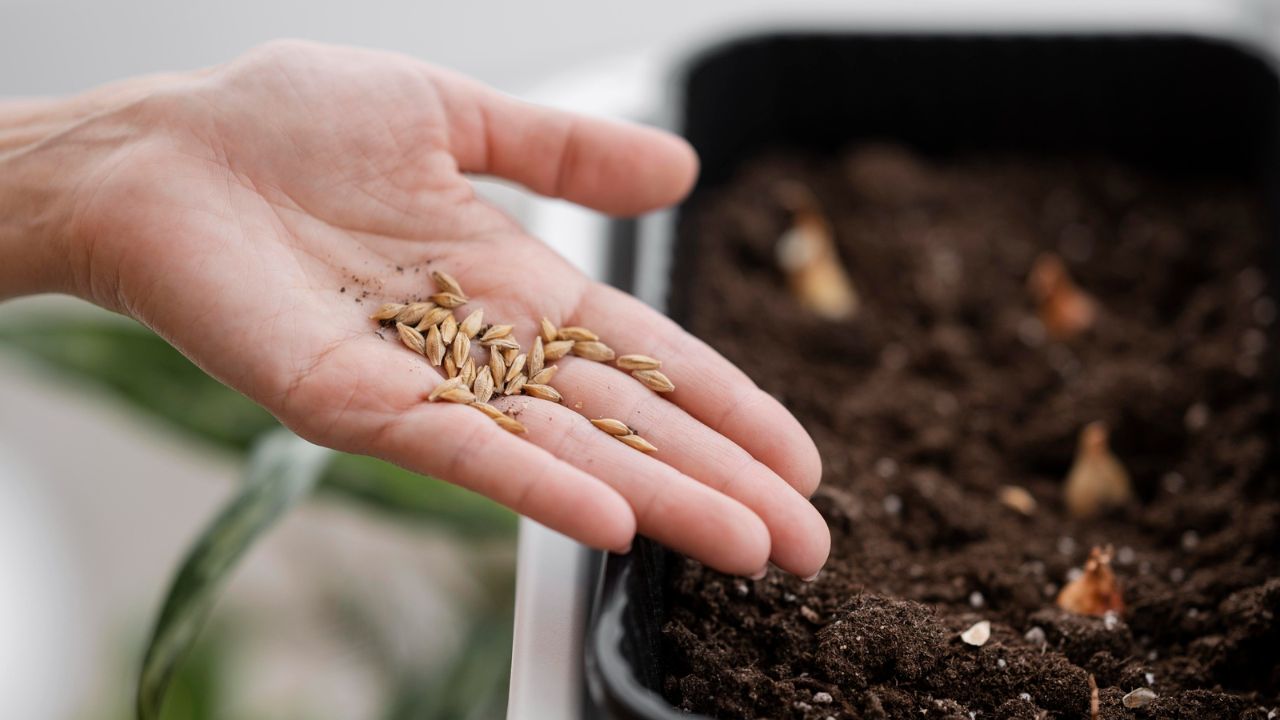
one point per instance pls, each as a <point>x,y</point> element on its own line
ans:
<point>242,211</point>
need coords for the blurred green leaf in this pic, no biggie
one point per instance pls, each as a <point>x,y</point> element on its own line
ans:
<point>282,470</point>
<point>153,377</point>
<point>400,492</point>
<point>146,372</point>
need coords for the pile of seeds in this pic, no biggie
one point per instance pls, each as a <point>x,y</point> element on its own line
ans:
<point>429,328</point>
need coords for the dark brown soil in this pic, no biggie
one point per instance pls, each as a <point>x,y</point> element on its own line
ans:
<point>942,390</point>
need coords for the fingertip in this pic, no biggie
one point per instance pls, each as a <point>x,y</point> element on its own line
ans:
<point>751,544</point>
<point>611,523</point>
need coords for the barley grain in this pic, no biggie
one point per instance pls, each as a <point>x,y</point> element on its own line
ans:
<point>515,386</point>
<point>542,392</point>
<point>484,407</point>
<point>495,332</point>
<point>509,354</point>
<point>535,357</point>
<point>450,367</point>
<point>444,387</point>
<point>434,346</point>
<point>638,362</point>
<point>592,350</point>
<point>448,328</point>
<point>458,395</point>
<point>411,338</point>
<point>447,283</point>
<point>498,369</point>
<point>654,380</point>
<point>510,424</point>
<point>448,299</point>
<point>501,344</point>
<point>483,385</point>
<point>468,372</point>
<point>471,325</point>
<point>413,312</point>
<point>576,334</point>
<point>514,368</point>
<point>387,312</point>
<point>548,331</point>
<point>556,350</point>
<point>638,443</point>
<point>613,427</point>
<point>545,376</point>
<point>461,349</point>
<point>434,316</point>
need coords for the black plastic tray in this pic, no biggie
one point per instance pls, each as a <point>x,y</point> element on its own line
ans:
<point>1173,104</point>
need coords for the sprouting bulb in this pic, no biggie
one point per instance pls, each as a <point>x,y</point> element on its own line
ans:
<point>1097,480</point>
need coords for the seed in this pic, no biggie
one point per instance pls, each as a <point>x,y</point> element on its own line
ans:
<point>387,312</point>
<point>515,386</point>
<point>483,385</point>
<point>458,395</point>
<point>611,426</point>
<point>450,367</point>
<point>444,387</point>
<point>434,316</point>
<point>501,344</point>
<point>638,362</point>
<point>413,312</point>
<point>496,331</point>
<point>536,356</point>
<point>447,283</point>
<point>509,354</point>
<point>435,346</point>
<point>487,409</point>
<point>514,368</point>
<point>556,350</point>
<point>638,443</point>
<point>654,380</point>
<point>576,334</point>
<point>510,424</point>
<point>471,325</point>
<point>592,350</point>
<point>549,333</point>
<point>545,376</point>
<point>461,350</point>
<point>542,392</point>
<point>448,328</point>
<point>497,368</point>
<point>411,338</point>
<point>468,372</point>
<point>448,299</point>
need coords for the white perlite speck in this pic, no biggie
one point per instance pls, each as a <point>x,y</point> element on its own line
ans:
<point>976,599</point>
<point>1138,698</point>
<point>1035,636</point>
<point>822,698</point>
<point>978,634</point>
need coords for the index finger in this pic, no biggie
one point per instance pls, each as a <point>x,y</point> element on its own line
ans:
<point>708,387</point>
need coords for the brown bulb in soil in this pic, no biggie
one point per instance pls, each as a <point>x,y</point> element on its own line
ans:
<point>1097,480</point>
<point>807,253</point>
<point>1064,309</point>
<point>1096,591</point>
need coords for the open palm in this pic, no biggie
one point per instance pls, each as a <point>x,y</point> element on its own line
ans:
<point>256,214</point>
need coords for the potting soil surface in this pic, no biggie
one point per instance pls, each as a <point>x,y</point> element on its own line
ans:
<point>943,389</point>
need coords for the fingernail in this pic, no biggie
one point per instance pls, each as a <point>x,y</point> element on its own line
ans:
<point>812,577</point>
<point>759,575</point>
